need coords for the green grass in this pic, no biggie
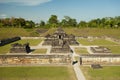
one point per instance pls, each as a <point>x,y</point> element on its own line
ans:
<point>106,73</point>
<point>40,51</point>
<point>115,33</point>
<point>99,42</point>
<point>81,51</point>
<point>6,48</point>
<point>32,42</point>
<point>50,31</point>
<point>37,73</point>
<point>77,58</point>
<point>114,49</point>
<point>12,32</point>
<point>93,32</point>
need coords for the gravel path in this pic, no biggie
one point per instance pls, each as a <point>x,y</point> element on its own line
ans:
<point>76,66</point>
<point>40,46</point>
<point>78,72</point>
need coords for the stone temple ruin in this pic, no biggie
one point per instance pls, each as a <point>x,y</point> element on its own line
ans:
<point>100,50</point>
<point>60,41</point>
<point>19,48</point>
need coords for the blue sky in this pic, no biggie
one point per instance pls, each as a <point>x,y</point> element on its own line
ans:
<point>37,10</point>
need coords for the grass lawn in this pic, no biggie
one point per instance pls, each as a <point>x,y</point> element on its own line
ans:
<point>114,49</point>
<point>50,31</point>
<point>96,42</point>
<point>40,51</point>
<point>106,73</point>
<point>6,48</point>
<point>37,73</point>
<point>81,51</point>
<point>32,42</point>
<point>12,32</point>
<point>77,58</point>
<point>93,32</point>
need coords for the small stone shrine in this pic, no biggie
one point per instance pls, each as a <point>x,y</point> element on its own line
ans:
<point>60,41</point>
<point>100,50</point>
<point>19,48</point>
<point>96,66</point>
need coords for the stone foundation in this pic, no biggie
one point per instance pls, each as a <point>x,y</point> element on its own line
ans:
<point>20,48</point>
<point>100,50</point>
<point>34,59</point>
<point>100,59</point>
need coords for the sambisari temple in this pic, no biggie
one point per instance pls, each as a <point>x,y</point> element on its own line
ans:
<point>60,41</point>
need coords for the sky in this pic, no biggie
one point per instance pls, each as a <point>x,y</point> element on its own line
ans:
<point>81,10</point>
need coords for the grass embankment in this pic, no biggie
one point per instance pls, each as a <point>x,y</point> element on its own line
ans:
<point>99,42</point>
<point>37,73</point>
<point>36,32</point>
<point>94,32</point>
<point>33,42</point>
<point>50,31</point>
<point>114,49</point>
<point>106,73</point>
<point>12,32</point>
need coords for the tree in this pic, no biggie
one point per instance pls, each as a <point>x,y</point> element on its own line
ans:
<point>92,23</point>
<point>68,22</point>
<point>6,22</point>
<point>82,24</point>
<point>72,22</point>
<point>42,23</point>
<point>22,22</point>
<point>29,24</point>
<point>1,24</point>
<point>106,22</point>
<point>67,18</point>
<point>64,23</point>
<point>53,19</point>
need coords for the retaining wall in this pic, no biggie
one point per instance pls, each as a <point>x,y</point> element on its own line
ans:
<point>100,59</point>
<point>34,59</point>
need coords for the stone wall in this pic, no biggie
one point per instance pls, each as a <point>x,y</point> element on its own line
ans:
<point>100,59</point>
<point>34,59</point>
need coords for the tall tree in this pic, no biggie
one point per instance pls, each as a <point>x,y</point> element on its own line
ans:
<point>21,22</point>
<point>29,24</point>
<point>69,22</point>
<point>42,23</point>
<point>64,23</point>
<point>82,24</point>
<point>53,19</point>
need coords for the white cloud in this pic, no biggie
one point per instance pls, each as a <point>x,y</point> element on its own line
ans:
<point>26,2</point>
<point>3,15</point>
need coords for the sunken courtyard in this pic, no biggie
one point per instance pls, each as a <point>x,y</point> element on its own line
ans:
<point>60,49</point>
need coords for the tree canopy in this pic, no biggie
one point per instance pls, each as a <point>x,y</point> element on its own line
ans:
<point>106,22</point>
